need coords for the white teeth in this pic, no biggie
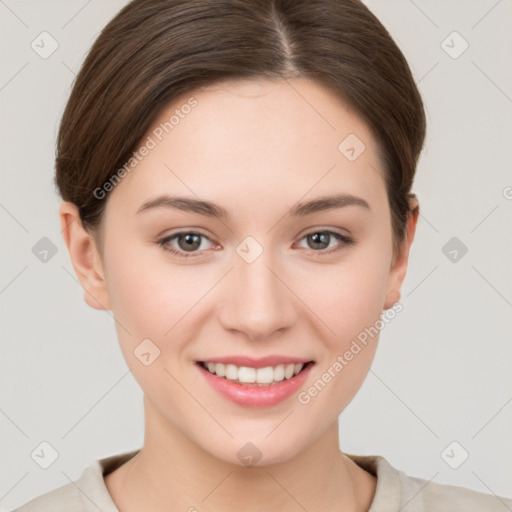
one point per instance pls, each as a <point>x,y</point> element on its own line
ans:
<point>288,371</point>
<point>261,376</point>
<point>247,375</point>
<point>231,372</point>
<point>265,375</point>
<point>219,369</point>
<point>279,373</point>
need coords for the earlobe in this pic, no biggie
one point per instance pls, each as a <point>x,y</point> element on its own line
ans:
<point>392,298</point>
<point>399,268</point>
<point>85,257</point>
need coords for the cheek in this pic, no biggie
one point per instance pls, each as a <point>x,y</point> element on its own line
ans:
<point>351,309</point>
<point>147,296</point>
<point>364,301</point>
<point>348,297</point>
<point>349,300</point>
<point>152,301</point>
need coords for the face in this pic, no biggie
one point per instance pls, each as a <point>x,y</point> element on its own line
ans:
<point>270,279</point>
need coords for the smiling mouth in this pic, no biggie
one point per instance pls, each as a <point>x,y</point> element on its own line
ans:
<point>249,376</point>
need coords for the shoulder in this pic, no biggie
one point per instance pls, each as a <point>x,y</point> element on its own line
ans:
<point>87,494</point>
<point>62,499</point>
<point>421,495</point>
<point>398,491</point>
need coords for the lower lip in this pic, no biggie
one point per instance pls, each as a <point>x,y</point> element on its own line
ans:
<point>256,396</point>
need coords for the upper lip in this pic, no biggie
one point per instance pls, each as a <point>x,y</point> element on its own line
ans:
<point>261,362</point>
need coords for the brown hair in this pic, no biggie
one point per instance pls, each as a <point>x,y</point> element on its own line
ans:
<point>153,51</point>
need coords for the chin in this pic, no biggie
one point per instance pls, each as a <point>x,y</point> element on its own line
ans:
<point>255,450</point>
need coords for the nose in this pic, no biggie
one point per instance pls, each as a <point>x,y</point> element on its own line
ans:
<point>257,299</point>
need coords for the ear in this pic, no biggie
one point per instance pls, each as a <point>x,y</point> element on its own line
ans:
<point>85,257</point>
<point>399,266</point>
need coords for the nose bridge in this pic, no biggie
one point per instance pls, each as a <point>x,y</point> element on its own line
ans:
<point>256,301</point>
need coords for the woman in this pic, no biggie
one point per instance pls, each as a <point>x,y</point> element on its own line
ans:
<point>236,180</point>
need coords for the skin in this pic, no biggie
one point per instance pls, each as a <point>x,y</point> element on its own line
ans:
<point>255,148</point>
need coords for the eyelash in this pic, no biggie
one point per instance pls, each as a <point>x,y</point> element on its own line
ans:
<point>346,242</point>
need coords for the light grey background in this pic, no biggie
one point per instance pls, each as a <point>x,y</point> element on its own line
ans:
<point>442,369</point>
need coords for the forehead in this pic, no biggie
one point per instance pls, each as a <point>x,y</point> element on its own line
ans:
<point>256,140</point>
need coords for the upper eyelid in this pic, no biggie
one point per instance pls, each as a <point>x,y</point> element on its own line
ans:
<point>198,232</point>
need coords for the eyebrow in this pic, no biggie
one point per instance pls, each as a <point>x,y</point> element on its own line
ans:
<point>209,209</point>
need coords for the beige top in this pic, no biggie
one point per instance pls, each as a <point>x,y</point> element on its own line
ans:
<point>395,492</point>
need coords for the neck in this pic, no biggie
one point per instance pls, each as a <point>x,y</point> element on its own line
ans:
<point>172,473</point>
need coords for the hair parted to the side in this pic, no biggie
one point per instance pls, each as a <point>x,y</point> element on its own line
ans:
<point>153,51</point>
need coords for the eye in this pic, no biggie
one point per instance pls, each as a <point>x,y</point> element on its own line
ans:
<point>188,242</point>
<point>319,241</point>
<point>191,242</point>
